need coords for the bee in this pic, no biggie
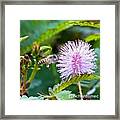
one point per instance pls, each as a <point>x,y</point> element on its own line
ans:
<point>49,60</point>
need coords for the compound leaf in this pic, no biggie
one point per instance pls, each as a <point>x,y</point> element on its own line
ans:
<point>64,84</point>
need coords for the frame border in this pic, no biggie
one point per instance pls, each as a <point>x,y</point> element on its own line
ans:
<point>66,2</point>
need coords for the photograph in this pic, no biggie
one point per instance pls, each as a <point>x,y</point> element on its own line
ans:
<point>59,59</point>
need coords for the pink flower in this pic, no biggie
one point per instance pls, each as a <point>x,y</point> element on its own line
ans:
<point>76,58</point>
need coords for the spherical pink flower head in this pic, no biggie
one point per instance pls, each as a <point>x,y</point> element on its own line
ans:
<point>76,58</point>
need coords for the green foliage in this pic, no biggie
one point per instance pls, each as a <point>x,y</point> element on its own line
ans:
<point>64,84</point>
<point>44,78</point>
<point>24,38</point>
<point>46,50</point>
<point>88,86</point>
<point>40,38</point>
<point>45,38</point>
<point>92,37</point>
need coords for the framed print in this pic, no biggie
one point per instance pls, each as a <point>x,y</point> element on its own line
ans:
<point>59,59</point>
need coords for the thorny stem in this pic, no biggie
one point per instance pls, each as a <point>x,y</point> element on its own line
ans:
<point>80,90</point>
<point>33,72</point>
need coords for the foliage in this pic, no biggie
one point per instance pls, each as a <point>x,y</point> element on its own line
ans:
<point>59,87</point>
<point>41,38</point>
<point>92,37</point>
<point>45,37</point>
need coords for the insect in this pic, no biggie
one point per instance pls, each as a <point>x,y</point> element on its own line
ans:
<point>49,60</point>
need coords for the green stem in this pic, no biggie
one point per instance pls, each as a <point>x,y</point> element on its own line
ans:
<point>33,72</point>
<point>25,78</point>
<point>80,90</point>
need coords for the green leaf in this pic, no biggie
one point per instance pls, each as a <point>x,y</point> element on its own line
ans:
<point>45,38</point>
<point>92,37</point>
<point>46,50</point>
<point>64,84</point>
<point>96,44</point>
<point>24,38</point>
<point>65,95</point>
<point>85,23</point>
